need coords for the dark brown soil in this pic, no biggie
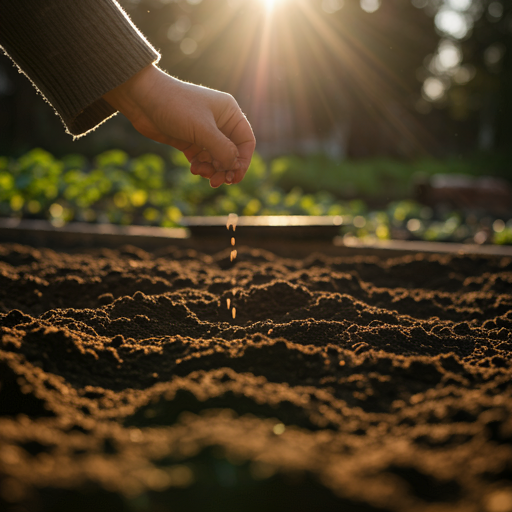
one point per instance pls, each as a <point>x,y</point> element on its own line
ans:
<point>343,384</point>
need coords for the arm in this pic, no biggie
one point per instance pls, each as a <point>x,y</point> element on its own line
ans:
<point>74,52</point>
<point>89,61</point>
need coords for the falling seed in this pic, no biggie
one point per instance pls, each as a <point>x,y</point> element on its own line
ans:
<point>232,220</point>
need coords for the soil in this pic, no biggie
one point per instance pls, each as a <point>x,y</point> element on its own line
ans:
<point>352,383</point>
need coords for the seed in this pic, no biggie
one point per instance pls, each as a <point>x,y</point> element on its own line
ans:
<point>232,220</point>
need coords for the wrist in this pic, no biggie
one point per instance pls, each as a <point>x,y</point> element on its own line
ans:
<point>127,97</point>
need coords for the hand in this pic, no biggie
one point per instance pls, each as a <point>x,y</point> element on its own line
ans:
<point>207,125</point>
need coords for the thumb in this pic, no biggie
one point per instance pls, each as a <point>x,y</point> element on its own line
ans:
<point>224,153</point>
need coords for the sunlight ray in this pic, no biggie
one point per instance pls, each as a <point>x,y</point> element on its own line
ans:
<point>297,59</point>
<point>297,88</point>
<point>372,81</point>
<point>263,65</point>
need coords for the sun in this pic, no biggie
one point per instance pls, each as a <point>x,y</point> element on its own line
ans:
<point>269,4</point>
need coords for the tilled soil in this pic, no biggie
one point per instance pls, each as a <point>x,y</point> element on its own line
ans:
<point>343,383</point>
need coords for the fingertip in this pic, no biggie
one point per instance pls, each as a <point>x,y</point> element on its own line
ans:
<point>225,154</point>
<point>239,175</point>
<point>202,169</point>
<point>194,167</point>
<point>217,179</point>
<point>230,176</point>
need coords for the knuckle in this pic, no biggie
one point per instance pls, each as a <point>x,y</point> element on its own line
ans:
<point>229,100</point>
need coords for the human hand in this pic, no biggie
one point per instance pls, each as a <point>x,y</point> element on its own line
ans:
<point>207,125</point>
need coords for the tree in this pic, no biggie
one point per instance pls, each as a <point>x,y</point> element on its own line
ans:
<point>471,71</point>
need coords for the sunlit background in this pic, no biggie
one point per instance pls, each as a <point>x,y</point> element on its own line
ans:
<point>357,106</point>
<point>349,78</point>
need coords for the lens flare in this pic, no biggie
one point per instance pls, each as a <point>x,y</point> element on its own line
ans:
<point>301,69</point>
<point>269,4</point>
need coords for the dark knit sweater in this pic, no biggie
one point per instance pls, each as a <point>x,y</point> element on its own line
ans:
<point>74,51</point>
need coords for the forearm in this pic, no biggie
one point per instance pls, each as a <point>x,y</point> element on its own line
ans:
<point>74,52</point>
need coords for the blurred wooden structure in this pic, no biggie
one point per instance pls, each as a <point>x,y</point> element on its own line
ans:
<point>460,192</point>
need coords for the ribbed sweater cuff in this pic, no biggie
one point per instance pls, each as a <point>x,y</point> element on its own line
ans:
<point>74,52</point>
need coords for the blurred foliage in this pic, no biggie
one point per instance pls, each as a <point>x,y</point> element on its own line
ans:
<point>147,190</point>
<point>380,178</point>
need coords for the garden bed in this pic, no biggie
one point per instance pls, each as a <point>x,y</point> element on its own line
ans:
<point>356,381</point>
<point>287,236</point>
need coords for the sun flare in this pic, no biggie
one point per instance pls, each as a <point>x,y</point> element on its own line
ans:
<point>269,4</point>
<point>301,68</point>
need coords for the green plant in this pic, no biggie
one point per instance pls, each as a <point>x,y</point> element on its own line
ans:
<point>148,190</point>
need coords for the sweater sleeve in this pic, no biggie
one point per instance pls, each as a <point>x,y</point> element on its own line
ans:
<point>74,51</point>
